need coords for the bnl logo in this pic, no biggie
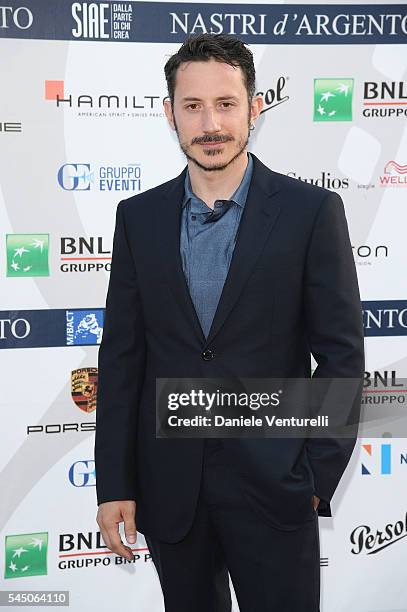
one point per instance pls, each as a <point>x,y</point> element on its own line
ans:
<point>75,177</point>
<point>380,459</point>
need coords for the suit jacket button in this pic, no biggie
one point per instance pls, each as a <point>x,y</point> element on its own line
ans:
<point>207,355</point>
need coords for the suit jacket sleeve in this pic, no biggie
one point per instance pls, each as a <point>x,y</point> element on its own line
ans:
<point>335,333</point>
<point>121,365</point>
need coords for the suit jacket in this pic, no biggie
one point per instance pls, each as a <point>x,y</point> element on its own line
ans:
<point>291,290</point>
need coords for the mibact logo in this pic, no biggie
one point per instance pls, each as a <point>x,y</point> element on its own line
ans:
<point>84,327</point>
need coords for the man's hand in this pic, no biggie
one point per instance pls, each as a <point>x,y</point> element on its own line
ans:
<point>315,502</point>
<point>109,515</point>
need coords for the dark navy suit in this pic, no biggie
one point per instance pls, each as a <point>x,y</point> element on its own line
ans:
<point>291,290</point>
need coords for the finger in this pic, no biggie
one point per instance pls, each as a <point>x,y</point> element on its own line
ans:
<point>130,529</point>
<point>117,545</point>
<point>105,536</point>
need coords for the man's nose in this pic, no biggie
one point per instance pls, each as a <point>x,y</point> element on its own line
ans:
<point>210,121</point>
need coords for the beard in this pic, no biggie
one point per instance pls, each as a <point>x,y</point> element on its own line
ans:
<point>186,148</point>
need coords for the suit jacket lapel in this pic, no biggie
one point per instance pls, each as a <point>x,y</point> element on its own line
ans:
<point>168,222</point>
<point>259,215</point>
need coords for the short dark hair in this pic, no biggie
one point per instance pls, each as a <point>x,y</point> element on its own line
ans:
<point>221,47</point>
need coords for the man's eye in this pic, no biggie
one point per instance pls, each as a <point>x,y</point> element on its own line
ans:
<point>227,104</point>
<point>192,106</point>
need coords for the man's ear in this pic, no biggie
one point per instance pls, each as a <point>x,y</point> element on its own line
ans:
<point>256,108</point>
<point>168,112</point>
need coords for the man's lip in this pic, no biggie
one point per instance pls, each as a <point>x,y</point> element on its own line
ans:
<point>212,144</point>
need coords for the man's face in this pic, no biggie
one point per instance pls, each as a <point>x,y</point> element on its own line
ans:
<point>211,113</point>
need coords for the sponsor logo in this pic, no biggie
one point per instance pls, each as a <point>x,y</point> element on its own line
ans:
<point>384,378</point>
<point>27,254</point>
<point>26,555</point>
<point>274,96</point>
<point>323,180</point>
<point>383,388</point>
<point>9,126</point>
<point>84,384</point>
<point>80,254</point>
<point>381,458</point>
<point>395,175</point>
<point>369,541</point>
<point>384,99</point>
<point>81,177</point>
<point>385,459</point>
<point>83,473</point>
<point>61,428</point>
<point>333,99</point>
<point>102,21</point>
<point>105,104</point>
<point>87,549</point>
<point>50,327</point>
<point>366,254</point>
<point>84,327</point>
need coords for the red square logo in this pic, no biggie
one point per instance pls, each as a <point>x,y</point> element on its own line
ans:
<point>54,89</point>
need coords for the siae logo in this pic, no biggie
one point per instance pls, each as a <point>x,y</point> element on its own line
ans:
<point>102,20</point>
<point>333,99</point>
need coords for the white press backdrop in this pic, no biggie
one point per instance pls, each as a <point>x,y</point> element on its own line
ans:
<point>47,473</point>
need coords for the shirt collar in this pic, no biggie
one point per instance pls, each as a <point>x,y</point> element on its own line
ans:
<point>239,196</point>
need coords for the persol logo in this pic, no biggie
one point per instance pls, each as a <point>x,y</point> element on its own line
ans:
<point>274,95</point>
<point>366,540</point>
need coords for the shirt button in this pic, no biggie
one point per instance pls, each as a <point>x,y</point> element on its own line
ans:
<point>193,217</point>
<point>207,355</point>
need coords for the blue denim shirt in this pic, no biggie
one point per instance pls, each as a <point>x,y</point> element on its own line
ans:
<point>207,248</point>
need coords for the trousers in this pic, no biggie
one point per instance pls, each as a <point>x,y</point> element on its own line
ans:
<point>271,570</point>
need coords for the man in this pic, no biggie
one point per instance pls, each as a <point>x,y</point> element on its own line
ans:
<point>228,270</point>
